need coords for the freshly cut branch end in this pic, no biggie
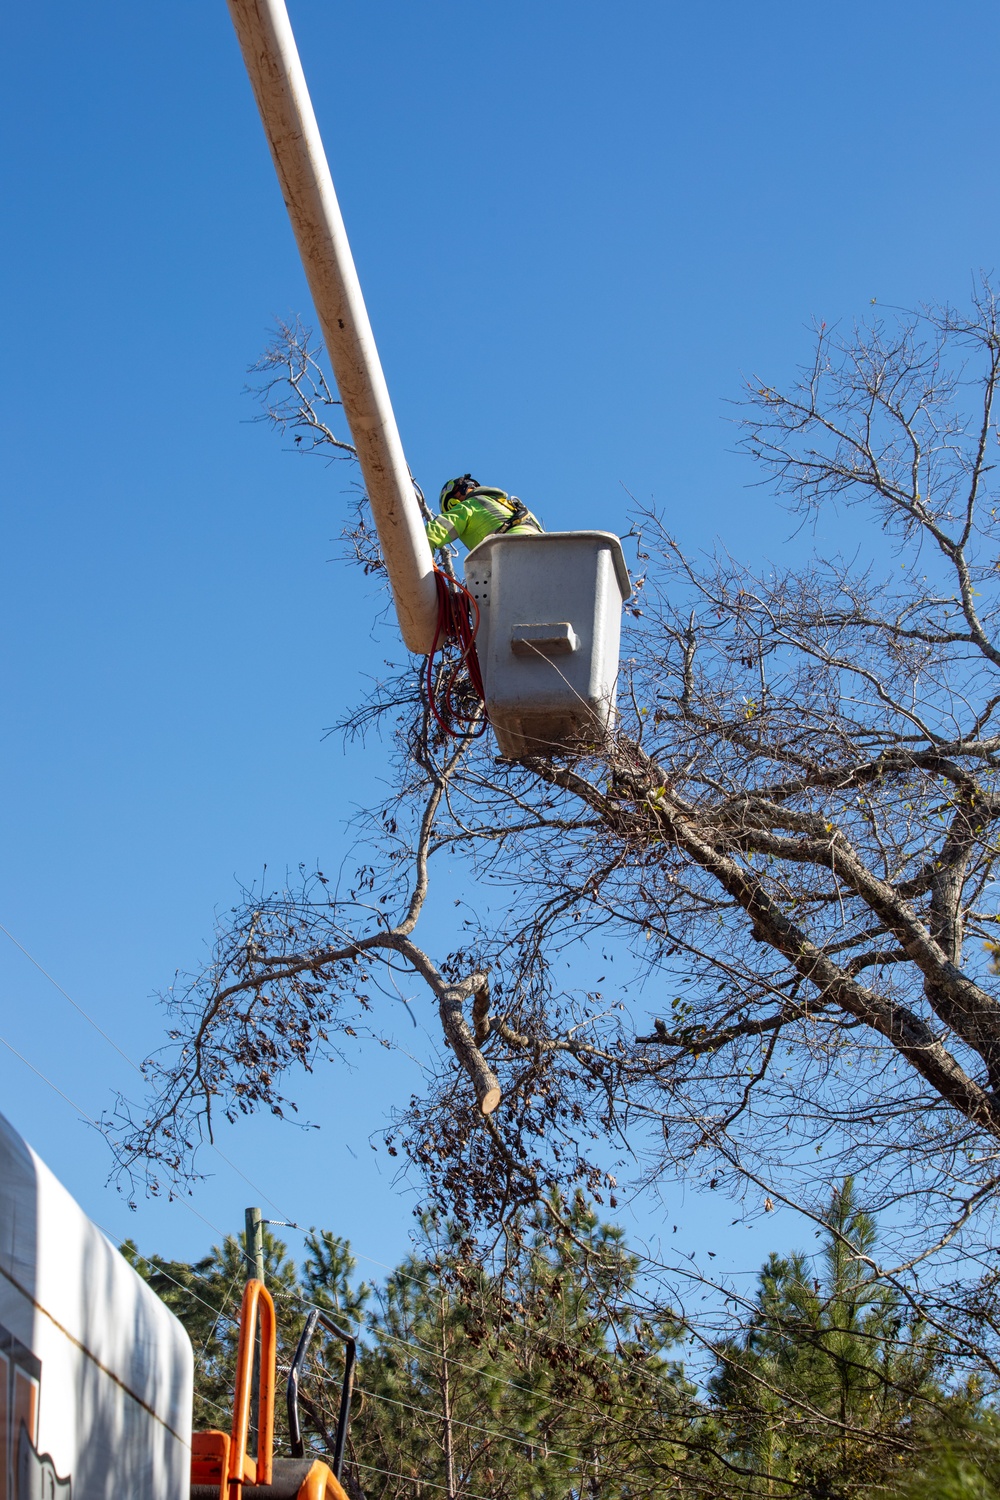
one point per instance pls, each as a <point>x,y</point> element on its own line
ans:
<point>462,1042</point>
<point>489,1100</point>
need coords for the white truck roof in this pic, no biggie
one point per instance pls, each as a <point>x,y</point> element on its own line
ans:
<point>95,1372</point>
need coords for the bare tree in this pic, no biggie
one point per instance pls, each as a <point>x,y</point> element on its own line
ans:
<point>786,851</point>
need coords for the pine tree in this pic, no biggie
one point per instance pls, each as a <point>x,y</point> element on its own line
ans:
<point>832,1384</point>
<point>546,1374</point>
<point>206,1296</point>
<point>536,1378</point>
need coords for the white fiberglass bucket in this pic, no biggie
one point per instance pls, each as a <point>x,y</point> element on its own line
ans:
<point>549,634</point>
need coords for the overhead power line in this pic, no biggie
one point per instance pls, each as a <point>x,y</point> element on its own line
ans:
<point>132,1064</point>
<point>276,1293</point>
<point>280,1295</point>
<point>458,1363</point>
<point>415,1479</point>
<point>507,1437</point>
<point>221,1313</point>
<point>54,1087</point>
<point>268,1199</point>
<point>265,1197</point>
<point>290,1296</point>
<point>32,960</point>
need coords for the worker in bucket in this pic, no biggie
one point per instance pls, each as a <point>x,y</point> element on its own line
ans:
<point>470,512</point>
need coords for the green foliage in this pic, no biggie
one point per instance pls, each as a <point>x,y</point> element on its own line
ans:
<point>533,1382</point>
<point>832,1384</point>
<point>206,1296</point>
<point>547,1376</point>
<point>537,1378</point>
<point>961,1464</point>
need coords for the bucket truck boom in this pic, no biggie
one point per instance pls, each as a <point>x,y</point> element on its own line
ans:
<point>279,86</point>
<point>550,605</point>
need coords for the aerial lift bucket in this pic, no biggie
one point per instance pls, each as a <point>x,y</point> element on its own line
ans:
<point>222,1468</point>
<point>550,609</point>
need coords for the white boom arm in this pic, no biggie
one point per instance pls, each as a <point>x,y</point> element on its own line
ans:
<point>279,86</point>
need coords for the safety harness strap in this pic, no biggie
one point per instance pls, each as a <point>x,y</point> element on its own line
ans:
<point>520,516</point>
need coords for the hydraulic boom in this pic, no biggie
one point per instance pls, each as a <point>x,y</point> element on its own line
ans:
<point>279,86</point>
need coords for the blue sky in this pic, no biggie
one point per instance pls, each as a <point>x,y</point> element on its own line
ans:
<point>577,226</point>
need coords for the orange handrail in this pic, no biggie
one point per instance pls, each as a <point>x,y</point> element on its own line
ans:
<point>256,1303</point>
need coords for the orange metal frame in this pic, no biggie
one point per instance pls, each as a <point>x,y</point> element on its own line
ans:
<point>257,1304</point>
<point>319,1484</point>
<point>221,1458</point>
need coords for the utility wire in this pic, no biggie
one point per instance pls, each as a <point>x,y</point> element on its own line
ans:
<point>289,1223</point>
<point>387,1400</point>
<point>202,1354</point>
<point>415,1479</point>
<point>302,1301</point>
<point>110,1040</point>
<point>39,1074</point>
<point>132,1064</point>
<point>97,1126</point>
<point>266,1198</point>
<point>507,1437</point>
<point>221,1313</point>
<point>458,1363</point>
<point>374,1395</point>
<point>482,1374</point>
<point>219,1317</point>
<point>293,1297</point>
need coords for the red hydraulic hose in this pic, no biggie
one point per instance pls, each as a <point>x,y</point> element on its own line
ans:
<point>457,625</point>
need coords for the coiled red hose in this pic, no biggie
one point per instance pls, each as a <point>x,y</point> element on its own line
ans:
<point>457,626</point>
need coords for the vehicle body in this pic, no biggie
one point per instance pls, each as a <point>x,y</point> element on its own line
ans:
<point>95,1372</point>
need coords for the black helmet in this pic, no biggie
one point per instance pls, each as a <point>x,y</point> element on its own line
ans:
<point>457,489</point>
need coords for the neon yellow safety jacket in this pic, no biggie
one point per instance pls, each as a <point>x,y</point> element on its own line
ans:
<point>479,515</point>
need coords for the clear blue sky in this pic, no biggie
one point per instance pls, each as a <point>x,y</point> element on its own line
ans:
<point>576,225</point>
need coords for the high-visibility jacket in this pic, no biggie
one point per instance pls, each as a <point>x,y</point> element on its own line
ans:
<point>479,515</point>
